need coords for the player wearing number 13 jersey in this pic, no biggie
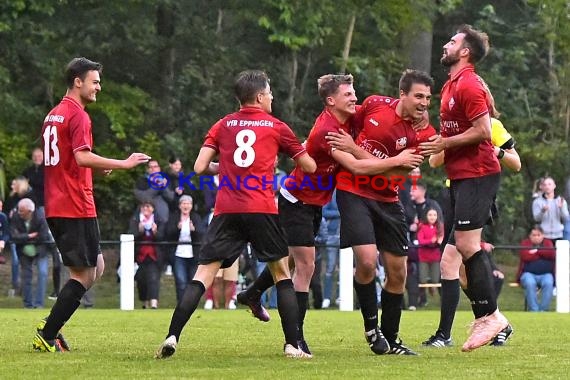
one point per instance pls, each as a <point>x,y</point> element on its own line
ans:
<point>246,143</point>
<point>68,189</point>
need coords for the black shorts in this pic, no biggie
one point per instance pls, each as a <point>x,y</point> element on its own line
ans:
<point>77,240</point>
<point>367,221</point>
<point>471,200</point>
<point>300,221</point>
<point>228,235</point>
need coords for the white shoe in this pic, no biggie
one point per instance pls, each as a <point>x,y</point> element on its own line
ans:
<point>292,352</point>
<point>412,308</point>
<point>209,305</point>
<point>167,348</point>
<point>326,303</point>
<point>232,305</point>
<point>168,271</point>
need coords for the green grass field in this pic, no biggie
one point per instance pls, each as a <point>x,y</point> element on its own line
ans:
<point>117,344</point>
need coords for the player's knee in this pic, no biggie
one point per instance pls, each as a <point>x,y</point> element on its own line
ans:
<point>366,271</point>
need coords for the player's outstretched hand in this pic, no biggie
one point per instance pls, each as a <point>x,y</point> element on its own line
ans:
<point>136,159</point>
<point>410,159</point>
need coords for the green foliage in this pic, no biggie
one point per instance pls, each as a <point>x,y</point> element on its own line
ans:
<point>169,67</point>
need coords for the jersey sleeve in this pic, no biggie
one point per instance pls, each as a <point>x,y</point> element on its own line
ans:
<point>473,99</point>
<point>500,136</point>
<point>289,144</point>
<point>80,132</point>
<point>211,140</point>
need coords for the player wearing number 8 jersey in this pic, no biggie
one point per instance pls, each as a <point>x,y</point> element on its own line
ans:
<point>246,143</point>
<point>69,204</point>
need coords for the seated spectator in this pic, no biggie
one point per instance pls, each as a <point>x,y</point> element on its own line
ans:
<point>185,226</point>
<point>29,231</point>
<point>146,226</point>
<point>536,269</point>
<point>430,236</point>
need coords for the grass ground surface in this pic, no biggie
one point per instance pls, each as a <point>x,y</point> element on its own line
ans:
<point>112,344</point>
<point>223,344</point>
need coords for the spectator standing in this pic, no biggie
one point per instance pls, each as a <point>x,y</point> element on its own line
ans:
<point>29,232</point>
<point>4,232</point>
<point>430,236</point>
<point>20,189</point>
<point>147,227</point>
<point>35,176</point>
<point>154,186</point>
<point>331,250</point>
<point>536,269</point>
<point>185,227</point>
<point>550,211</point>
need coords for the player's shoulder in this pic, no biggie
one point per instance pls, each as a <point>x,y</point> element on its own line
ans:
<point>468,80</point>
<point>378,101</point>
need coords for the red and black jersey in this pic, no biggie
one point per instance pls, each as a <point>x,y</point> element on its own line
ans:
<point>463,100</point>
<point>248,142</point>
<point>317,188</point>
<point>68,188</point>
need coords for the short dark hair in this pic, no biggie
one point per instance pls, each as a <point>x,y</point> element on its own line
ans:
<point>328,84</point>
<point>476,41</point>
<point>536,227</point>
<point>78,68</point>
<point>409,77</point>
<point>248,84</point>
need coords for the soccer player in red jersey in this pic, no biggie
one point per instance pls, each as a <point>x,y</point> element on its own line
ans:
<point>372,218</point>
<point>473,168</point>
<point>452,268</point>
<point>68,189</point>
<point>302,196</point>
<point>247,143</point>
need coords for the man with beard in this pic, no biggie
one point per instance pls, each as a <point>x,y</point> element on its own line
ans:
<point>474,171</point>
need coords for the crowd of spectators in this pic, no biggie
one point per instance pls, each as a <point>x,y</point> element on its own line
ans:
<point>166,212</point>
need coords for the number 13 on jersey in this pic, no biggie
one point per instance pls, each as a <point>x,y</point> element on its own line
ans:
<point>51,151</point>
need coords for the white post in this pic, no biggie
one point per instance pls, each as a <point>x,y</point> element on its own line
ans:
<point>563,276</point>
<point>127,272</point>
<point>345,277</point>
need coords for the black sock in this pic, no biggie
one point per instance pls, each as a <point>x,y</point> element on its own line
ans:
<point>67,302</point>
<point>449,302</point>
<point>264,281</point>
<point>367,298</point>
<point>187,305</point>
<point>391,314</point>
<point>303,303</point>
<point>288,310</point>
<point>481,287</point>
